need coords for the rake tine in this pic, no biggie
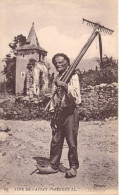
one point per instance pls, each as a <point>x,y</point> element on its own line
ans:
<point>98,26</point>
<point>105,30</point>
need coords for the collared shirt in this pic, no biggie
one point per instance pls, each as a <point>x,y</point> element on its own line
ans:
<point>73,88</point>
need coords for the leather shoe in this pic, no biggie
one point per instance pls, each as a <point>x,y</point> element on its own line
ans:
<point>71,173</point>
<point>46,170</point>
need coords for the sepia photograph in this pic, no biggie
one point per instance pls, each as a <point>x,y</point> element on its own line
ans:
<point>59,97</point>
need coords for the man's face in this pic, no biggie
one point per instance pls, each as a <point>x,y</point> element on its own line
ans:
<point>60,64</point>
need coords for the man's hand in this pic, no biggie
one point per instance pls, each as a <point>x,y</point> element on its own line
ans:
<point>62,88</point>
<point>61,84</point>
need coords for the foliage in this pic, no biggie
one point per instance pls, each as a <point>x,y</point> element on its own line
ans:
<point>18,41</point>
<point>108,73</point>
<point>108,62</point>
<point>2,87</point>
<point>10,63</point>
<point>9,71</point>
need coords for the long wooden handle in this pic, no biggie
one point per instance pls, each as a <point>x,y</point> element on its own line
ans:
<point>79,57</point>
<point>47,106</point>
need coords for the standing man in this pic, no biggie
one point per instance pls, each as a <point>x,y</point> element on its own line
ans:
<point>64,118</point>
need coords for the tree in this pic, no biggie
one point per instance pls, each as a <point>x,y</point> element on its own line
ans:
<point>18,41</point>
<point>9,71</point>
<point>10,62</point>
<point>108,73</point>
<point>107,62</point>
<point>109,70</point>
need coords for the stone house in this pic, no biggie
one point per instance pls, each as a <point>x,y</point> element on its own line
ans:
<point>31,69</point>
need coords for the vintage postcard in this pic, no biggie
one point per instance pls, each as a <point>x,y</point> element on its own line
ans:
<point>59,97</point>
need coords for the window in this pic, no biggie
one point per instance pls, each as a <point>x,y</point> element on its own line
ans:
<point>22,74</point>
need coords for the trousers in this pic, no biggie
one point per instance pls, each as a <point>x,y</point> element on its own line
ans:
<point>68,130</point>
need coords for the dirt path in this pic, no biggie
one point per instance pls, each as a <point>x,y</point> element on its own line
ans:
<point>28,142</point>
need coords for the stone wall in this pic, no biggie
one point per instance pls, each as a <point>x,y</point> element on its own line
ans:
<point>98,103</point>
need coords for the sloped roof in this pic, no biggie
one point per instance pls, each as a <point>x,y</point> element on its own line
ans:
<point>32,41</point>
<point>32,37</point>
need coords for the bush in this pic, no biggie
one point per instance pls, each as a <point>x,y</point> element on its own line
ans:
<point>108,73</point>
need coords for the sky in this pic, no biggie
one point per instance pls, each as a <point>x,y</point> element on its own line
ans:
<point>58,24</point>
